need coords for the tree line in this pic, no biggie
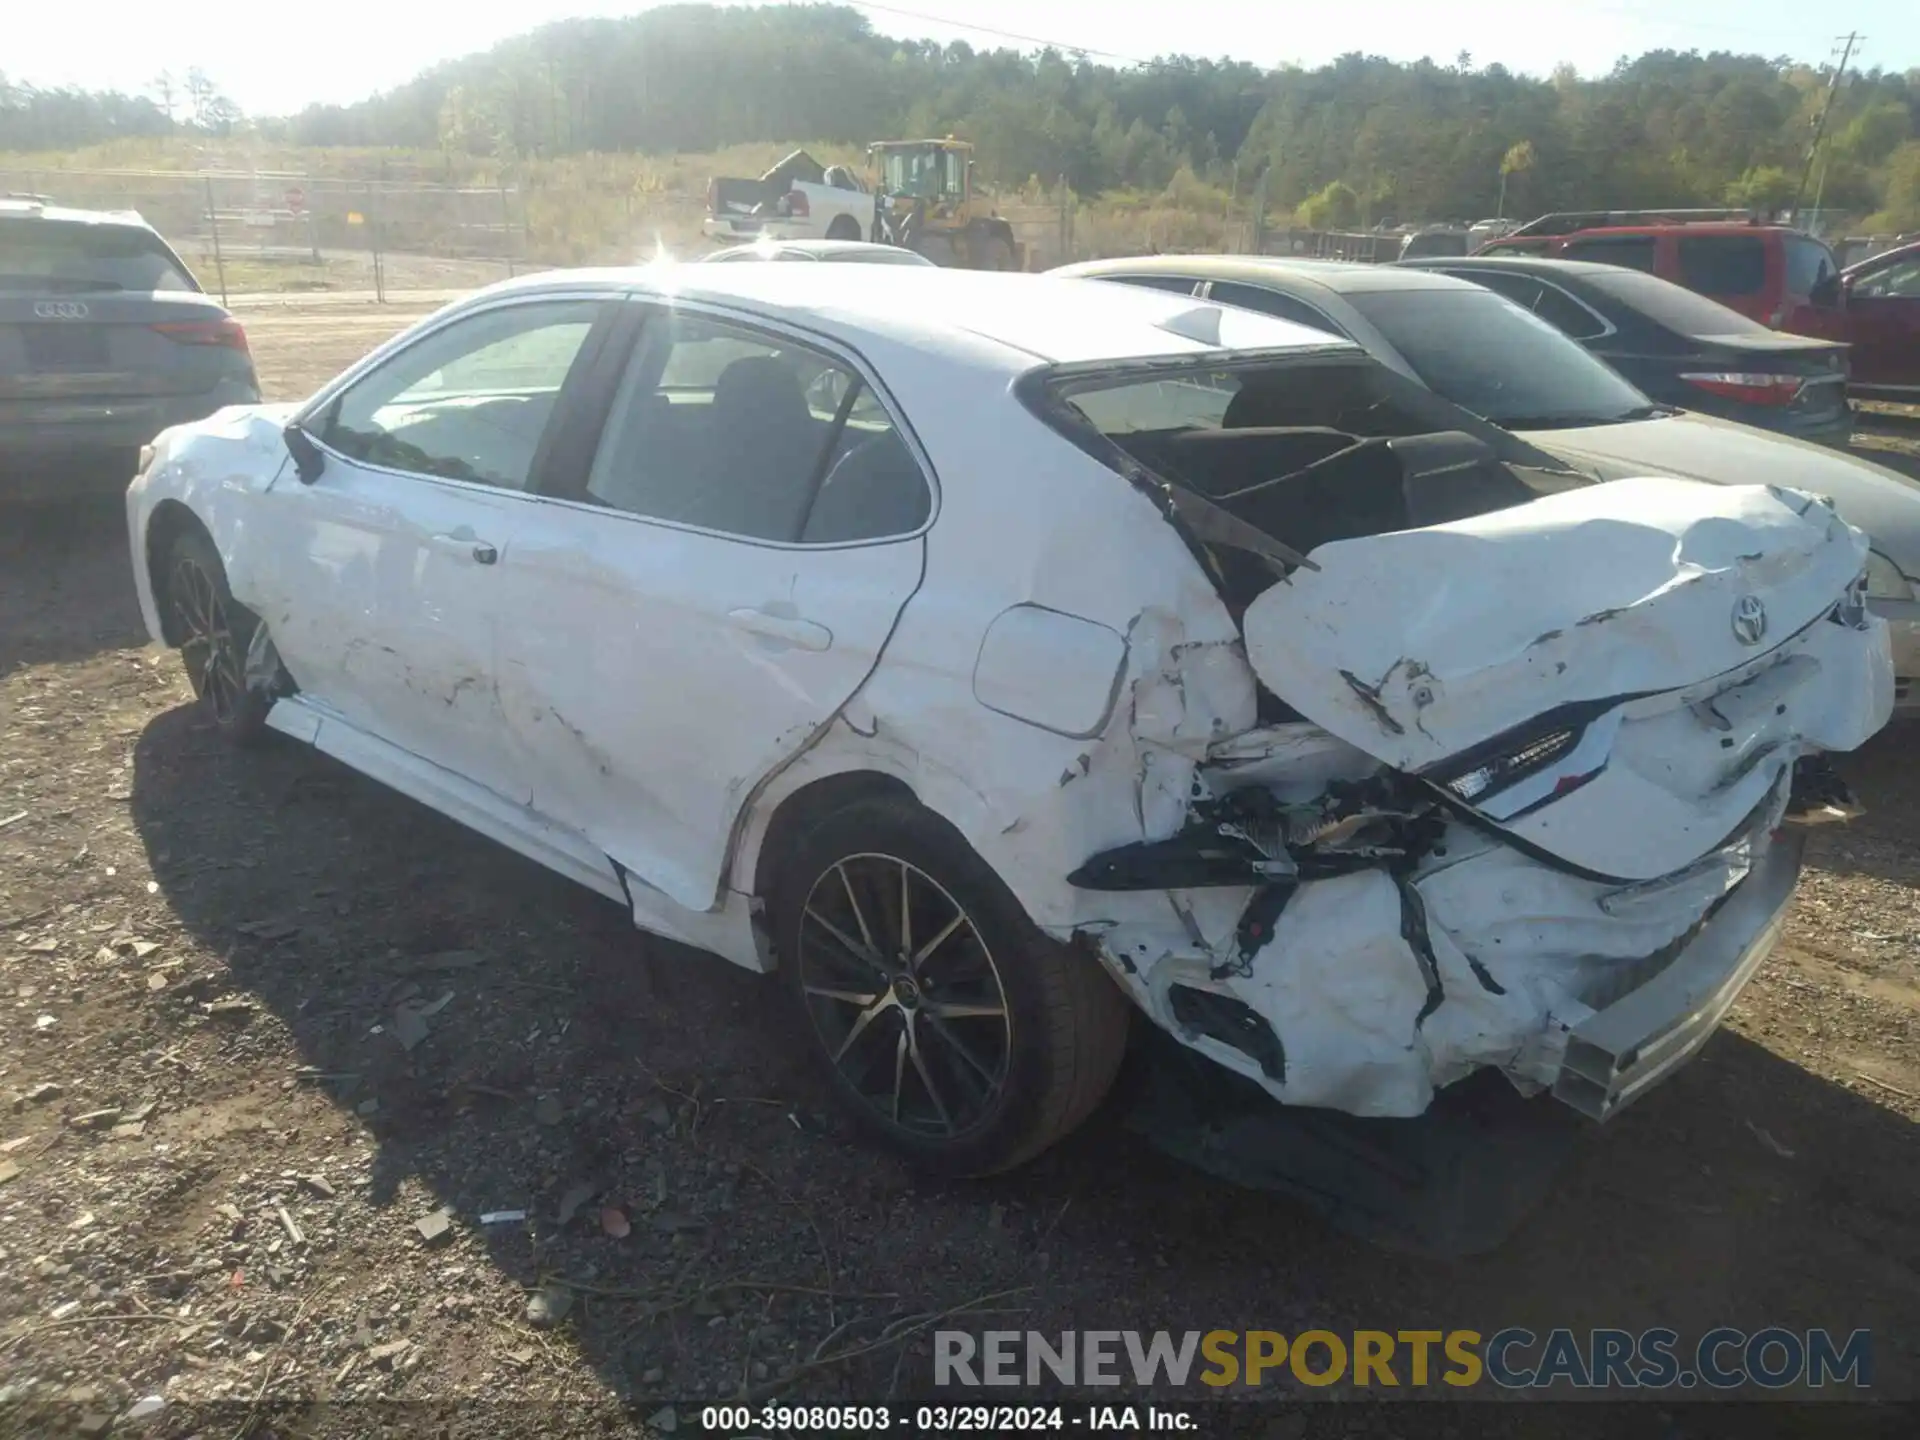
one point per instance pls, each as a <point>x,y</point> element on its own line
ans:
<point>1352,142</point>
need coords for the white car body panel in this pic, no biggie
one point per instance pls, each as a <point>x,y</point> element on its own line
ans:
<point>639,638</point>
<point>1049,669</point>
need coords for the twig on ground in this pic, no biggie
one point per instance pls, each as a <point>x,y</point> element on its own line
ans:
<point>253,1410</point>
<point>73,1320</point>
<point>1890,1089</point>
<point>901,1330</point>
<point>826,1255</point>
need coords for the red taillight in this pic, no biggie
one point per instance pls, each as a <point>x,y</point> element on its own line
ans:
<point>1752,387</point>
<point>798,204</point>
<point>225,332</point>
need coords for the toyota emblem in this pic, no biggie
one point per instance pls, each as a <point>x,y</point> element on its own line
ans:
<point>60,309</point>
<point>1749,620</point>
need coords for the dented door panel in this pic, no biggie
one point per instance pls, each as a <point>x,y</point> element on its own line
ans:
<point>657,675</point>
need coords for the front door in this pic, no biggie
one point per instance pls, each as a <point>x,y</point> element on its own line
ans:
<point>383,580</point>
<point>1883,321</point>
<point>709,595</point>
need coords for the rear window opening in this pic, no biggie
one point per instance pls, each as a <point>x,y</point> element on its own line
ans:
<point>1675,307</point>
<point>1488,355</point>
<point>1297,451</point>
<point>41,256</point>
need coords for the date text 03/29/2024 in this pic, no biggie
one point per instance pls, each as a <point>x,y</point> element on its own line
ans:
<point>939,1419</point>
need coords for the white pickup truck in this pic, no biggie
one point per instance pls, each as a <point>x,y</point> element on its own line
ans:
<point>798,199</point>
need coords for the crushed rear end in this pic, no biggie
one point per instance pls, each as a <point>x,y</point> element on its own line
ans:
<point>1531,767</point>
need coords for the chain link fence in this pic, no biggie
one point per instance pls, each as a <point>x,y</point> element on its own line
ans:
<point>281,230</point>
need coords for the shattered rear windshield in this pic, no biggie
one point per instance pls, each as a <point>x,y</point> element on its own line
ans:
<point>1302,450</point>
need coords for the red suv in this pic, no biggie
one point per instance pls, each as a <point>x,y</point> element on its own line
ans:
<point>1768,273</point>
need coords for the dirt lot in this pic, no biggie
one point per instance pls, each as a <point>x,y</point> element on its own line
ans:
<point>217,1150</point>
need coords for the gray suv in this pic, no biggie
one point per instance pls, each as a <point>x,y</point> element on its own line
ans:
<point>105,340</point>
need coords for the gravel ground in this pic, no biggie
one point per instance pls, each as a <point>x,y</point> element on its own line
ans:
<point>274,1041</point>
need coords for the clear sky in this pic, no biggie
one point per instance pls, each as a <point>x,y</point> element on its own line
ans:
<point>274,60</point>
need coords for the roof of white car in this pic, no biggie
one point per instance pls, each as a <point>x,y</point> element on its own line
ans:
<point>1031,318</point>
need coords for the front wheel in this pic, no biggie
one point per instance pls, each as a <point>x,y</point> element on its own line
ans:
<point>215,633</point>
<point>955,1033</point>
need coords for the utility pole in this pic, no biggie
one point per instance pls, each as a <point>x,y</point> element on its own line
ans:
<point>1820,125</point>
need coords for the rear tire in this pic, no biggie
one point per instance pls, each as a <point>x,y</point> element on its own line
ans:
<point>844,227</point>
<point>215,632</point>
<point>952,1031</point>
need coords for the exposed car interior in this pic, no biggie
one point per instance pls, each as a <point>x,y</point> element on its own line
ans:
<point>1308,453</point>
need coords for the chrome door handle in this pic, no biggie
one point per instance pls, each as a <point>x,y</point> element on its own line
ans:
<point>793,631</point>
<point>465,542</point>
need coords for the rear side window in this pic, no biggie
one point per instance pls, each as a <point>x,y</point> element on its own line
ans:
<point>1271,302</point>
<point>751,435</point>
<point>1808,263</point>
<point>1551,304</point>
<point>1178,284</point>
<point>1634,252</point>
<point>69,257</point>
<point>1674,306</point>
<point>1723,264</point>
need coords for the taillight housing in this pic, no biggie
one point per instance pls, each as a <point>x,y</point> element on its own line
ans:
<point>1752,387</point>
<point>226,333</point>
<point>796,203</point>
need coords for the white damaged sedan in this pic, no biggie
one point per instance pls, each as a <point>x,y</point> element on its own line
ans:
<point>994,655</point>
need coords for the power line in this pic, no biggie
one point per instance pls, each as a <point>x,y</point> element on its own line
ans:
<point>999,34</point>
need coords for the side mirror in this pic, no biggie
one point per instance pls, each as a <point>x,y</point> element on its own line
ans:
<point>1826,291</point>
<point>308,458</point>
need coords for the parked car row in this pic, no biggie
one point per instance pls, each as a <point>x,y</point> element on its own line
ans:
<point>1780,277</point>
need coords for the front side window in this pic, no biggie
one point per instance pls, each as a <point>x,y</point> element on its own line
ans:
<point>724,428</point>
<point>470,401</point>
<point>1896,282</point>
<point>1723,265</point>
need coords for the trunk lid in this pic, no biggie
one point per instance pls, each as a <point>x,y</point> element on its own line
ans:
<point>65,346</point>
<point>1418,645</point>
<point>1619,675</point>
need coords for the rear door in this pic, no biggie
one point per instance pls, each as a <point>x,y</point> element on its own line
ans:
<point>100,326</point>
<point>708,590</point>
<point>1883,320</point>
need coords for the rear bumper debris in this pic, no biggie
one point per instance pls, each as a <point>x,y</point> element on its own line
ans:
<point>1618,1053</point>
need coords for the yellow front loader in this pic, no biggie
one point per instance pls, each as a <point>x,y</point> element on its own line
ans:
<point>925,201</point>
